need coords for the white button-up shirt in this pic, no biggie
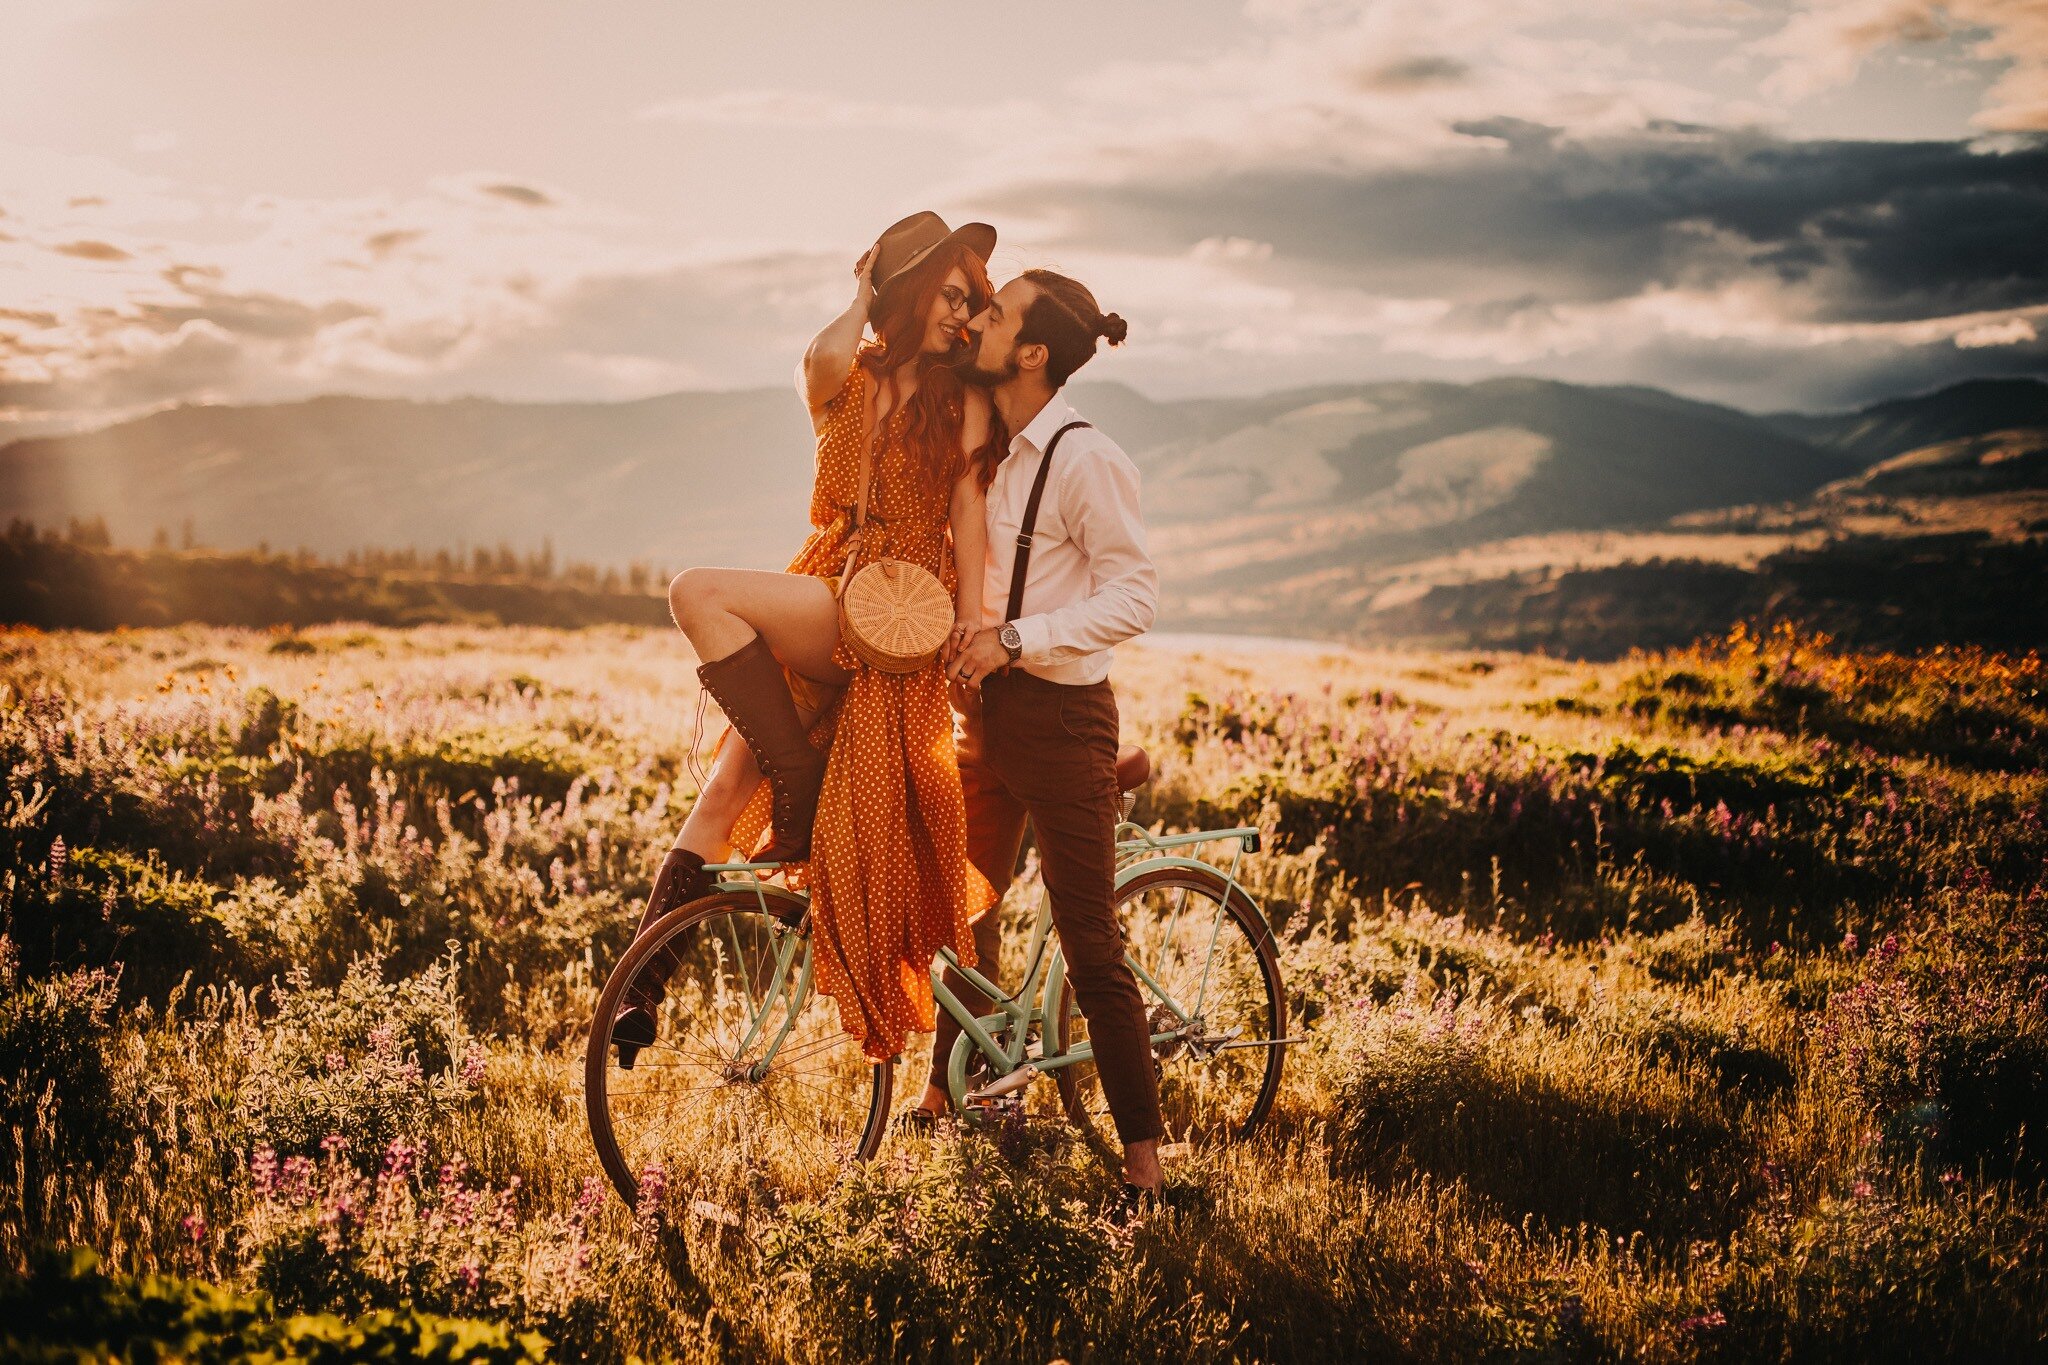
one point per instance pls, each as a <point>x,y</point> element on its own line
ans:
<point>1090,584</point>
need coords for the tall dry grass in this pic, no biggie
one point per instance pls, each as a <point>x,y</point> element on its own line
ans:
<point>1684,1008</point>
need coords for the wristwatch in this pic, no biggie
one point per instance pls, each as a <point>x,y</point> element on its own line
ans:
<point>1011,640</point>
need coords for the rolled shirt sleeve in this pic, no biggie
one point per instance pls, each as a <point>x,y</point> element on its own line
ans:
<point>1099,497</point>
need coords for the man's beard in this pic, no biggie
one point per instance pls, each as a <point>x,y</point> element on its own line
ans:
<point>970,368</point>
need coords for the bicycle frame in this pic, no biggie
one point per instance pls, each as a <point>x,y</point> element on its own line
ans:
<point>1138,852</point>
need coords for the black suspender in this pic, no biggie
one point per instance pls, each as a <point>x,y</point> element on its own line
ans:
<point>1030,524</point>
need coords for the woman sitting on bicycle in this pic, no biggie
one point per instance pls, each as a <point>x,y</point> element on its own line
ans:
<point>863,784</point>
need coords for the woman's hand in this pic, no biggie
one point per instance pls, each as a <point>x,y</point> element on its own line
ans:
<point>864,276</point>
<point>957,641</point>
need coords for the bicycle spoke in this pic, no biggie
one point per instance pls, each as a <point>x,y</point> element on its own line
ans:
<point>709,1058</point>
<point>812,1048</point>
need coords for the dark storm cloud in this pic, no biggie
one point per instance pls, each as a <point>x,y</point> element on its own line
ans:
<point>1763,376</point>
<point>1856,231</point>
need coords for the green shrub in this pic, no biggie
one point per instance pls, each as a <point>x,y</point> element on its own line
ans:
<point>1950,1067</point>
<point>324,1236</point>
<point>1870,1276</point>
<point>369,1060</point>
<point>266,718</point>
<point>62,1104</point>
<point>67,1309</point>
<point>94,907</point>
<point>453,765</point>
<point>890,1259</point>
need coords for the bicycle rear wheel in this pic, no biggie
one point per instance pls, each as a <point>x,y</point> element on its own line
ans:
<point>706,1104</point>
<point>1214,981</point>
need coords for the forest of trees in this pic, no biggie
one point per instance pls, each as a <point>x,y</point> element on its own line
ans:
<point>75,577</point>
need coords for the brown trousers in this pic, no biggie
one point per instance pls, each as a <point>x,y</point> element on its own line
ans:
<point>1047,751</point>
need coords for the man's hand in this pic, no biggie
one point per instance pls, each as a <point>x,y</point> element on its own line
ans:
<point>984,654</point>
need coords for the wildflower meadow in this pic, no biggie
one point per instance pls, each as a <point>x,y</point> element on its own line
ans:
<point>1688,1007</point>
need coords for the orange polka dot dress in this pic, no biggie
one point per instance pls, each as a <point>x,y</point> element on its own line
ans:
<point>889,877</point>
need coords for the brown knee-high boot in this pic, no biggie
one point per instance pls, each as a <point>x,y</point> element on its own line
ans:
<point>749,687</point>
<point>681,880</point>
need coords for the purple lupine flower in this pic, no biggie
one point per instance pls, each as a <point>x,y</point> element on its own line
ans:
<point>263,1170</point>
<point>399,1158</point>
<point>653,1190</point>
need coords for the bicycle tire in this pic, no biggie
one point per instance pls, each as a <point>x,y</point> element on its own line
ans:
<point>668,935</point>
<point>1078,1089</point>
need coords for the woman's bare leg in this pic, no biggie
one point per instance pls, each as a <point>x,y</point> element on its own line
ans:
<point>720,610</point>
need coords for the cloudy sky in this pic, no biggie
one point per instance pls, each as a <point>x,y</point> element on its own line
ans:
<point>1773,204</point>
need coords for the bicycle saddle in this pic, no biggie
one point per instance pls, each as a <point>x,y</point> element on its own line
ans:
<point>1133,768</point>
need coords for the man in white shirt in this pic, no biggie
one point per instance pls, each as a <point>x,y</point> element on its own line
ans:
<point>1038,730</point>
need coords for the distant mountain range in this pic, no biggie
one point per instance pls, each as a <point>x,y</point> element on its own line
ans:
<point>1350,510</point>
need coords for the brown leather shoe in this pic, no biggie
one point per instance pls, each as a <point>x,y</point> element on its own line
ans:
<point>681,880</point>
<point>749,687</point>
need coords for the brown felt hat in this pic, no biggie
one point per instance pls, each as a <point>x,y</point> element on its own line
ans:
<point>906,243</point>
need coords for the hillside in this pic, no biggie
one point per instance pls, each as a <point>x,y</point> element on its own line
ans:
<point>1881,430</point>
<point>1289,515</point>
<point>687,476</point>
<point>1946,542</point>
<point>723,477</point>
<point>1332,511</point>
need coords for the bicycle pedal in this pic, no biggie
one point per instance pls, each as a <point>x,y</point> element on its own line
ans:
<point>1003,1085</point>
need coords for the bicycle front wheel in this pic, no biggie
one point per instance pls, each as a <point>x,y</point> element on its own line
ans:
<point>1209,976</point>
<point>734,1091</point>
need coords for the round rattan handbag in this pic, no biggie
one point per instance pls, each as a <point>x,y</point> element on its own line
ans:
<point>893,614</point>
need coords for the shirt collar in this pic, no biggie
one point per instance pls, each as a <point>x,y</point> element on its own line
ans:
<point>1038,432</point>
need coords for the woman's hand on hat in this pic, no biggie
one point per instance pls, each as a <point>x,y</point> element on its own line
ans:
<point>864,274</point>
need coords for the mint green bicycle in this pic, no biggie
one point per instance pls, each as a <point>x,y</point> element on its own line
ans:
<point>754,1081</point>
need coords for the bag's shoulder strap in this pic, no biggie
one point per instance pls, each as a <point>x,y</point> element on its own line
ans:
<point>1030,524</point>
<point>867,473</point>
<point>867,455</point>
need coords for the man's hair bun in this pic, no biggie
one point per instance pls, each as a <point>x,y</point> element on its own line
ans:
<point>1064,317</point>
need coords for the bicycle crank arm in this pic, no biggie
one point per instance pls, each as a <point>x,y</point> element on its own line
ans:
<point>1003,1085</point>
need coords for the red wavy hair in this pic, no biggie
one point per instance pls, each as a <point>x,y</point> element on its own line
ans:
<point>932,420</point>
